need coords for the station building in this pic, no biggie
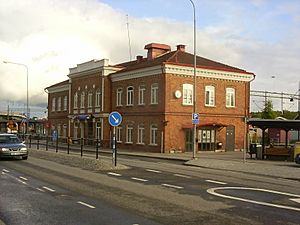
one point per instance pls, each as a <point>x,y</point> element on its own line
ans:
<point>154,95</point>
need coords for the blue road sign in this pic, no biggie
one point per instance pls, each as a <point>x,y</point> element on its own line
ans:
<point>195,118</point>
<point>114,119</point>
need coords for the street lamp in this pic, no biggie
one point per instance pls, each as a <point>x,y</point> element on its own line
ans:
<point>27,102</point>
<point>194,86</point>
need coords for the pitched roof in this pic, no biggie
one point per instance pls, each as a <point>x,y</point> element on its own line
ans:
<point>178,57</point>
<point>58,84</point>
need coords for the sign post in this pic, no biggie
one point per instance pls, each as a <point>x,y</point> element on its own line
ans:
<point>114,120</point>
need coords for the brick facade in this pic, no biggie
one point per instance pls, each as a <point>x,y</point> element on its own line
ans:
<point>153,95</point>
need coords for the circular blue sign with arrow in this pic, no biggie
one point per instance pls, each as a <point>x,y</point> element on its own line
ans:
<point>114,119</point>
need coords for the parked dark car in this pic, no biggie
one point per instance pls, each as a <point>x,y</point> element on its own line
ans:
<point>12,146</point>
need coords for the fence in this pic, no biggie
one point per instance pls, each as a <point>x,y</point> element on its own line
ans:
<point>63,144</point>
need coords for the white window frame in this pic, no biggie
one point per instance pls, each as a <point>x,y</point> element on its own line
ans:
<point>141,134</point>
<point>98,98</point>
<point>129,134</point>
<point>130,94</point>
<point>119,134</point>
<point>90,100</point>
<point>230,97</point>
<point>76,100</point>
<point>119,96</point>
<point>187,98</point>
<point>210,96</point>
<point>59,104</point>
<point>142,90</point>
<point>65,103</point>
<point>154,93</point>
<point>82,100</point>
<point>153,134</point>
<point>53,104</point>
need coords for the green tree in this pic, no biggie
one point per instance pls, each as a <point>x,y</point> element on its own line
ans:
<point>268,112</point>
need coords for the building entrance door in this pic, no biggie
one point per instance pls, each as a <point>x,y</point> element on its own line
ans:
<point>230,138</point>
<point>188,140</point>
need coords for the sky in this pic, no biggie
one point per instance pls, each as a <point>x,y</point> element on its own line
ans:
<point>51,36</point>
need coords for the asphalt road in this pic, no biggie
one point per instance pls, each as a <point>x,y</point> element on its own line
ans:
<point>152,191</point>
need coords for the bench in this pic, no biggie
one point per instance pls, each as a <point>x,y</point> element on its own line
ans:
<point>279,152</point>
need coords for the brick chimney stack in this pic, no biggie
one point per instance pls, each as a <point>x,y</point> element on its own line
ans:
<point>155,50</point>
<point>181,48</point>
<point>139,58</point>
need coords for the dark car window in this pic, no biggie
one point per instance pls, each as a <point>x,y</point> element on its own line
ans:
<point>9,139</point>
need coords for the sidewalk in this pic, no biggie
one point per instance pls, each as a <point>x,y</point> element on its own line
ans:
<point>230,161</point>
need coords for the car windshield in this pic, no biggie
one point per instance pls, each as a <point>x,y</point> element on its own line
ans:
<point>9,139</point>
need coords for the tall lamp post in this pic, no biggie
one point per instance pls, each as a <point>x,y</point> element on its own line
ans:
<point>194,86</point>
<point>27,102</point>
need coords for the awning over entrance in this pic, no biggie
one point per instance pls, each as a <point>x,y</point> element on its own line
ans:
<point>203,125</point>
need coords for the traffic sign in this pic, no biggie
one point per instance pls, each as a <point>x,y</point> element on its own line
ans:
<point>195,118</point>
<point>114,119</point>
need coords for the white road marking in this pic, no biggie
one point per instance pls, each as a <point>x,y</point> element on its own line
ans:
<point>215,182</point>
<point>114,174</point>
<point>23,178</point>
<point>295,200</point>
<point>23,182</point>
<point>153,171</point>
<point>213,192</point>
<point>181,175</point>
<point>172,186</point>
<point>41,190</point>
<point>48,189</point>
<point>139,179</point>
<point>6,171</point>
<point>3,173</point>
<point>87,205</point>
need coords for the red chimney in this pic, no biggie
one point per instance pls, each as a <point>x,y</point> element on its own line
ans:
<point>139,58</point>
<point>155,50</point>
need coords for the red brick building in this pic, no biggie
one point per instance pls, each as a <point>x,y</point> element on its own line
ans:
<point>155,97</point>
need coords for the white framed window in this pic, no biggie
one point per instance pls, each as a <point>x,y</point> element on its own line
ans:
<point>187,98</point>
<point>230,97</point>
<point>59,104</point>
<point>76,100</point>
<point>90,100</point>
<point>130,92</point>
<point>75,130</point>
<point>99,130</point>
<point>119,134</point>
<point>142,90</point>
<point>53,104</point>
<point>82,99</point>
<point>119,96</point>
<point>98,98</point>
<point>141,134</point>
<point>65,103</point>
<point>153,134</point>
<point>129,134</point>
<point>209,96</point>
<point>154,93</point>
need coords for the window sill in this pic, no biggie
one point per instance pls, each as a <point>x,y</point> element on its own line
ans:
<point>128,143</point>
<point>153,145</point>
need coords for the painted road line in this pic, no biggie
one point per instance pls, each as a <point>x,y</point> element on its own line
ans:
<point>181,175</point>
<point>114,174</point>
<point>172,186</point>
<point>139,179</point>
<point>295,200</point>
<point>23,178</point>
<point>21,181</point>
<point>6,171</point>
<point>87,205</point>
<point>215,182</point>
<point>48,189</point>
<point>212,191</point>
<point>39,189</point>
<point>153,171</point>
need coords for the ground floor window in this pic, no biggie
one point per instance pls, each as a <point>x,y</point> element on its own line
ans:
<point>119,134</point>
<point>206,139</point>
<point>99,130</point>
<point>141,134</point>
<point>129,134</point>
<point>153,134</point>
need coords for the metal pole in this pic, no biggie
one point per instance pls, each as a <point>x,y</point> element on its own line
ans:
<point>27,98</point>
<point>194,86</point>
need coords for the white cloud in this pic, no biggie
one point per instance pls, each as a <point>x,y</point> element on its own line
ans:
<point>52,36</point>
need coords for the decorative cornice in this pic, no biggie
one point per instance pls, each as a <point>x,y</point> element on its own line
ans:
<point>183,70</point>
<point>58,89</point>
